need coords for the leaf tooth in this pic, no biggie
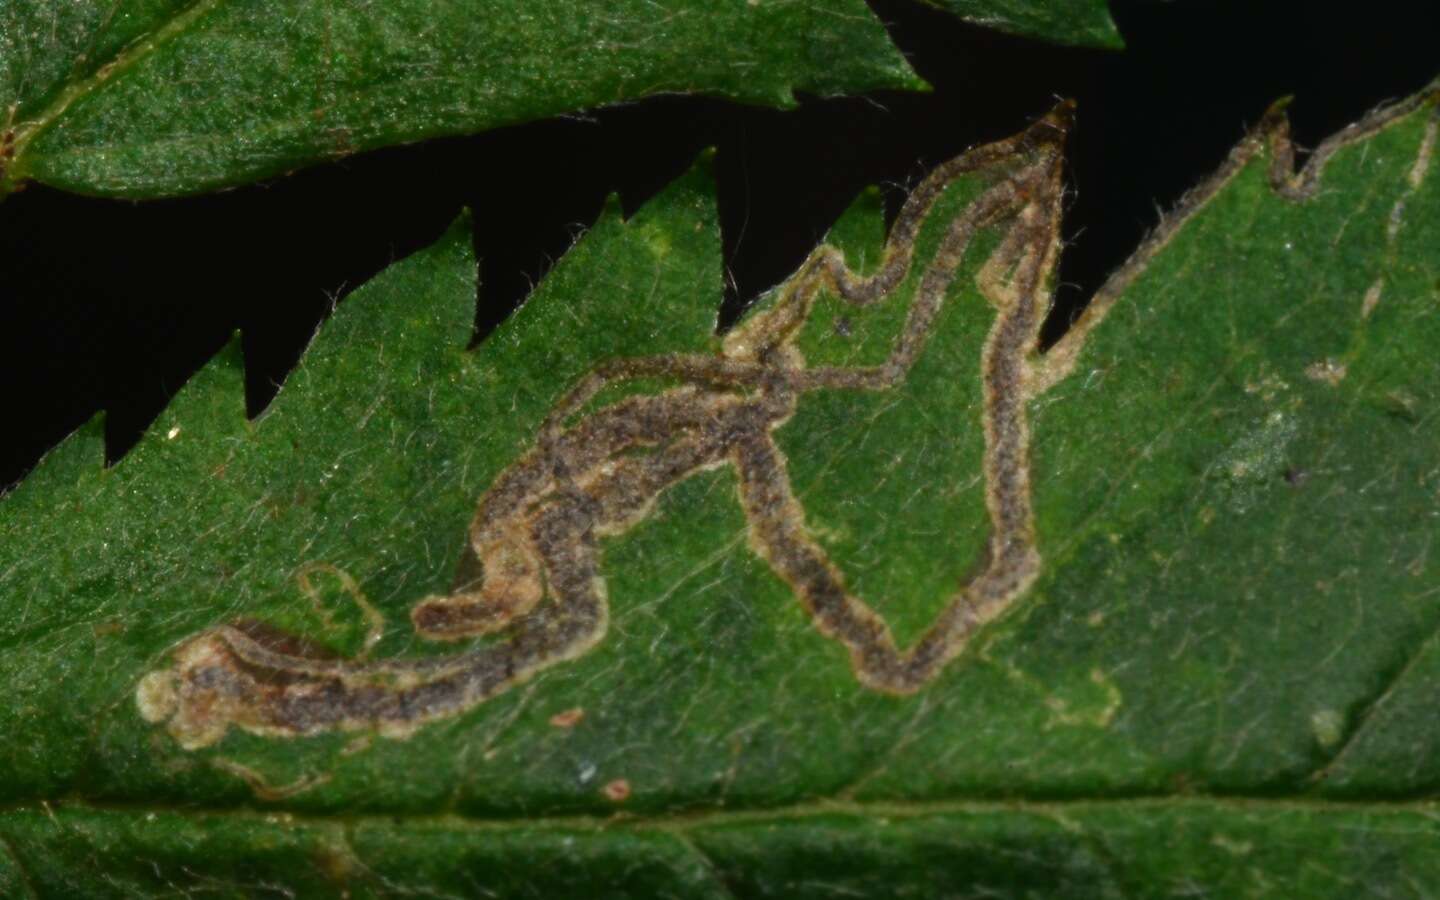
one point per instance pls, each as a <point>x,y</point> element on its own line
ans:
<point>681,225</point>
<point>408,324</point>
<point>661,264</point>
<point>79,457</point>
<point>209,408</point>
<point>860,229</point>
<point>388,365</point>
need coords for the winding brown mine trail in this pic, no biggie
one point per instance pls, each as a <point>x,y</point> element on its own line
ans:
<point>534,539</point>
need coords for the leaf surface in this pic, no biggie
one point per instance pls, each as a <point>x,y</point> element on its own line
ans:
<point>1081,22</point>
<point>145,98</point>
<point>1221,674</point>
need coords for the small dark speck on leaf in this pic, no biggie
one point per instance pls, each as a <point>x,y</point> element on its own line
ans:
<point>842,326</point>
<point>1296,477</point>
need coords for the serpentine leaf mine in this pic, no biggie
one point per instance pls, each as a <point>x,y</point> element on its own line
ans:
<point>532,577</point>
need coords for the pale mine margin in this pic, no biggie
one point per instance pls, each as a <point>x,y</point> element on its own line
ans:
<point>1272,132</point>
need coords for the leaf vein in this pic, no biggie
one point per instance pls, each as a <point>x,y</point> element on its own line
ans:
<point>707,863</point>
<point>1370,710</point>
<point>689,819</point>
<point>9,850</point>
<point>132,54</point>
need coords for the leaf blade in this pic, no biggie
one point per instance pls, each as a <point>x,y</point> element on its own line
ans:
<point>165,97</point>
<point>1162,696</point>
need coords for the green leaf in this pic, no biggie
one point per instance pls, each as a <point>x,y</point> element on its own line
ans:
<point>158,97</point>
<point>1211,663</point>
<point>1081,22</point>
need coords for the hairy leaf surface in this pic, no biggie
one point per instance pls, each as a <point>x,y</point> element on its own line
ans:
<point>1223,675</point>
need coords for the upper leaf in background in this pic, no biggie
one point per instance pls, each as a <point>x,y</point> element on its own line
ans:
<point>156,97</point>
<point>1222,675</point>
<point>1083,22</point>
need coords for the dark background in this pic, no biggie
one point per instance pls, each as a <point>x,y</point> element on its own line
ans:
<point>113,305</point>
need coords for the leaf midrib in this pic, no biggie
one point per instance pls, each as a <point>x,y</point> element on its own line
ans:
<point>695,819</point>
